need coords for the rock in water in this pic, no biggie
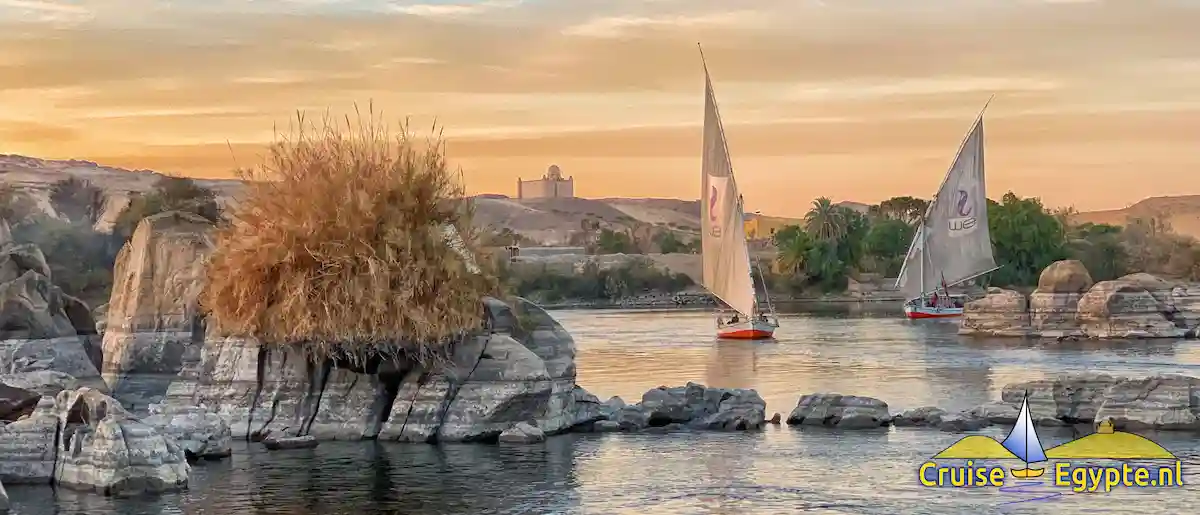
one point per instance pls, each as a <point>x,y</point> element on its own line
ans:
<point>102,447</point>
<point>27,450</point>
<point>923,416</point>
<point>203,435</point>
<point>1053,306</point>
<point>702,407</point>
<point>522,433</point>
<point>1125,309</point>
<point>290,442</point>
<point>1160,402</point>
<point>1001,313</point>
<point>840,411</point>
<point>521,370</point>
<point>153,319</point>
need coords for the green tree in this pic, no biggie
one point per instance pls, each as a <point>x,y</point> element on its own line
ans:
<point>1026,238</point>
<point>168,194</point>
<point>77,200</point>
<point>1100,249</point>
<point>825,221</point>
<point>905,209</point>
<point>855,227</point>
<point>887,243</point>
<point>615,242</point>
<point>793,246</point>
<point>669,243</point>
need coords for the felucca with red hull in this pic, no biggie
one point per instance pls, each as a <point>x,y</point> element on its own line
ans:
<point>952,244</point>
<point>727,268</point>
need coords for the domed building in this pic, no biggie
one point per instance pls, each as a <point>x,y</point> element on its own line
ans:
<point>551,185</point>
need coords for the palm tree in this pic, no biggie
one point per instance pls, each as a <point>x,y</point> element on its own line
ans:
<point>792,256</point>
<point>825,221</point>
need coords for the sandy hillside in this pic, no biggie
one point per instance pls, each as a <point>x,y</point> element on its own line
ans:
<point>1182,212</point>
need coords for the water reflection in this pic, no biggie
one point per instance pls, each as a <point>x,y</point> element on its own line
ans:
<point>780,469</point>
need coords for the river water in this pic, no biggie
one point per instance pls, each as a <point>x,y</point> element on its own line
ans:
<point>779,470</point>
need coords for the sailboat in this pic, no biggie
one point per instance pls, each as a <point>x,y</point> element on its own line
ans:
<point>1023,442</point>
<point>727,268</point>
<point>952,244</point>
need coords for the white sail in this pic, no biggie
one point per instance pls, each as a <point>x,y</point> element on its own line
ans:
<point>723,237</point>
<point>1023,440</point>
<point>953,243</point>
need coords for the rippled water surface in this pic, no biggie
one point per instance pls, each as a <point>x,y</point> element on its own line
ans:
<point>779,470</point>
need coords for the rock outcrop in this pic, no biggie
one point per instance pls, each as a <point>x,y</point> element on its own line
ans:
<point>521,369</point>
<point>84,439</point>
<point>16,402</point>
<point>1165,403</point>
<point>153,316</point>
<point>1067,304</point>
<point>38,323</point>
<point>1000,313</point>
<point>690,407</point>
<point>201,434</point>
<point>1125,309</point>
<point>840,411</point>
<point>1053,306</point>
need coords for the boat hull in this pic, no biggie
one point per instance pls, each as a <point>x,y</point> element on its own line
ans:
<point>746,330</point>
<point>920,312</point>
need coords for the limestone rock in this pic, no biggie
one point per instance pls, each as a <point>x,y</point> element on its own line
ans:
<point>962,422</point>
<point>1066,276</point>
<point>1122,309</point>
<point>1000,313</point>
<point>42,382</point>
<point>706,408</point>
<point>612,406</point>
<point>153,316</point>
<point>15,260</point>
<point>16,402</point>
<point>923,416</point>
<point>776,419</point>
<point>841,411</point>
<point>997,412</point>
<point>290,443</point>
<point>1072,398</point>
<point>521,370</point>
<point>27,447</point>
<point>522,433</point>
<point>606,426</point>
<point>632,418</point>
<point>32,308</point>
<point>203,435</point>
<point>1160,402</point>
<point>102,447</point>
<point>66,355</point>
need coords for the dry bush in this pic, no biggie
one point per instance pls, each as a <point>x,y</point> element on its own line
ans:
<point>339,247</point>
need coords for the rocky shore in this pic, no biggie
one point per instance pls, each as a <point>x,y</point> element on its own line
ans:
<point>127,398</point>
<point>1068,304</point>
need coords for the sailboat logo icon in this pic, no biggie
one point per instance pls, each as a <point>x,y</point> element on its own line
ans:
<point>1023,443</point>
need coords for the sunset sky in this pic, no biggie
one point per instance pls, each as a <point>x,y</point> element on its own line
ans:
<point>1097,102</point>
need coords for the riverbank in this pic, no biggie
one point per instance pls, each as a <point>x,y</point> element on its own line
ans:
<point>705,300</point>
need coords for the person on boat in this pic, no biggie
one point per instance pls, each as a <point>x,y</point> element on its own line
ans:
<point>763,317</point>
<point>934,304</point>
<point>734,320</point>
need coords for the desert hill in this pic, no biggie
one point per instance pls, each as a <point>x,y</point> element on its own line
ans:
<point>548,221</point>
<point>1182,213</point>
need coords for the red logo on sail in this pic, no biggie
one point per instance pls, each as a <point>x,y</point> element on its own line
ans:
<point>715,229</point>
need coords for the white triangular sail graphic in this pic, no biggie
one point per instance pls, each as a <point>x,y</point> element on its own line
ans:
<point>1023,439</point>
<point>723,238</point>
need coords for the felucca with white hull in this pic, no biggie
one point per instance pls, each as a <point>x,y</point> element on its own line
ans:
<point>727,268</point>
<point>952,244</point>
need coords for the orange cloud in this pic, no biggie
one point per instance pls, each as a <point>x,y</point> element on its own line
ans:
<point>1095,102</point>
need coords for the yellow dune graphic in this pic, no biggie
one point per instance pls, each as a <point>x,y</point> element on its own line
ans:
<point>1104,444</point>
<point>976,447</point>
<point>1107,444</point>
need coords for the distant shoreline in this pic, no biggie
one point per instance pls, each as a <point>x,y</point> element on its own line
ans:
<point>670,304</point>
